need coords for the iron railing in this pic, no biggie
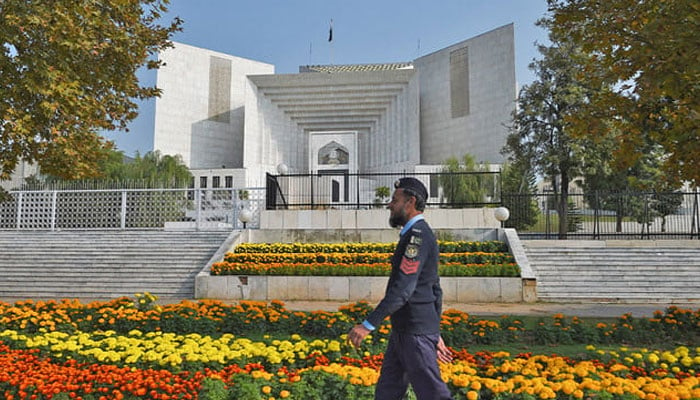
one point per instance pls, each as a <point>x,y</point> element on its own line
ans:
<point>201,209</point>
<point>597,215</point>
<point>343,190</point>
<point>606,215</point>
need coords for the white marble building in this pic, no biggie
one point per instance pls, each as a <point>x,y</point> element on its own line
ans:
<point>235,119</point>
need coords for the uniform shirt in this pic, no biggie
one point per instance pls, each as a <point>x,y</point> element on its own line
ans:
<point>413,296</point>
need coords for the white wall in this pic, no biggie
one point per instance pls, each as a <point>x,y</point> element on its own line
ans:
<point>183,124</point>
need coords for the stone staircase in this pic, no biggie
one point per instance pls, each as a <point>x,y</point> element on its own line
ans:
<point>616,271</point>
<point>103,264</point>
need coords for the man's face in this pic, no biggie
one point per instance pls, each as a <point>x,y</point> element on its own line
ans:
<point>397,206</point>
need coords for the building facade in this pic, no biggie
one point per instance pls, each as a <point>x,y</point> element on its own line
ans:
<point>229,116</point>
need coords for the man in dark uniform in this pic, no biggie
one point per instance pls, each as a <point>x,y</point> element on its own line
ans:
<point>413,299</point>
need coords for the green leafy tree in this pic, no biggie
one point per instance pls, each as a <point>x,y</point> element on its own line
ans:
<point>666,203</point>
<point>69,71</point>
<point>518,195</point>
<point>462,186</point>
<point>646,52</point>
<point>540,134</point>
<point>608,187</point>
<point>381,195</point>
<point>153,169</point>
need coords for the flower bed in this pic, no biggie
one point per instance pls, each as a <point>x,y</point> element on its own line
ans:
<point>489,258</point>
<point>135,349</point>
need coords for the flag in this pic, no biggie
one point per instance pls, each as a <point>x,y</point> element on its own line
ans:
<point>330,32</point>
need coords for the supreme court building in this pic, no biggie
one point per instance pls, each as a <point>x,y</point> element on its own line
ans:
<point>233,120</point>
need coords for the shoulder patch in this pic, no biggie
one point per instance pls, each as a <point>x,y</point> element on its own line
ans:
<point>409,267</point>
<point>411,251</point>
<point>416,240</point>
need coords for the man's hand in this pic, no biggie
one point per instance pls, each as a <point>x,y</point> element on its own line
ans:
<point>357,334</point>
<point>444,354</point>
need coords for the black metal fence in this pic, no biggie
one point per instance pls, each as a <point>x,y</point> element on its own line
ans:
<point>597,215</point>
<point>343,190</point>
<point>606,215</point>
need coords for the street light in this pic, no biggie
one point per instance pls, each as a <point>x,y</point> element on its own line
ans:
<point>245,216</point>
<point>282,169</point>
<point>502,214</point>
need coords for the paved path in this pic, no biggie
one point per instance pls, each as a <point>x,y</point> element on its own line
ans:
<point>535,309</point>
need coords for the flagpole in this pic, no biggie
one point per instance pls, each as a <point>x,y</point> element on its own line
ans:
<point>330,40</point>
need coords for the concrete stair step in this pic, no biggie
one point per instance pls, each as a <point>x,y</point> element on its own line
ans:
<point>100,294</point>
<point>544,265</point>
<point>67,277</point>
<point>621,274</point>
<point>598,287</point>
<point>103,264</point>
<point>106,257</point>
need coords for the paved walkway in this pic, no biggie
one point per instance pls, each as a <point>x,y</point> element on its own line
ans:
<point>534,309</point>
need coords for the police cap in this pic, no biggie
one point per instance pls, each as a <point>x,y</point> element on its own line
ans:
<point>413,185</point>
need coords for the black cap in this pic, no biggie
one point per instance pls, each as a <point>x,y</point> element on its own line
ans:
<point>413,185</point>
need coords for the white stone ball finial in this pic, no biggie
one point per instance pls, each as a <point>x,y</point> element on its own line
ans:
<point>245,216</point>
<point>501,214</point>
<point>282,168</point>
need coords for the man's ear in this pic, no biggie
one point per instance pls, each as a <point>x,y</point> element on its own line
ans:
<point>412,201</point>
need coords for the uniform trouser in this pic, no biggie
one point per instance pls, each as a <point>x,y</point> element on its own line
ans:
<point>411,359</point>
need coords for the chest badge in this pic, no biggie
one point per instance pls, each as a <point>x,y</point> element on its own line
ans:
<point>411,251</point>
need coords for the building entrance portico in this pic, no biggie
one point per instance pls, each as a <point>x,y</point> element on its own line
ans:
<point>332,155</point>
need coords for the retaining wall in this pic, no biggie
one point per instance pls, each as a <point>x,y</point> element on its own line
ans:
<point>356,288</point>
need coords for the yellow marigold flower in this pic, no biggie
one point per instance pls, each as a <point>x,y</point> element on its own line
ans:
<point>284,394</point>
<point>266,389</point>
<point>472,395</point>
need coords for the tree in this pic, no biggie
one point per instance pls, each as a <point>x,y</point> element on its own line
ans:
<point>517,194</point>
<point>461,186</point>
<point>608,187</point>
<point>540,134</point>
<point>381,195</point>
<point>666,203</point>
<point>647,53</point>
<point>155,170</point>
<point>69,71</point>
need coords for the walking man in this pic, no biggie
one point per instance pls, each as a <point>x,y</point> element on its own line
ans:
<point>413,299</point>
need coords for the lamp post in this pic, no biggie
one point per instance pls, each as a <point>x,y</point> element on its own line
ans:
<point>502,214</point>
<point>245,216</point>
<point>282,168</point>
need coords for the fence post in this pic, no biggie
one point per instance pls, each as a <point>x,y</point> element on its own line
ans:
<point>312,190</point>
<point>122,222</point>
<point>596,222</point>
<point>546,214</point>
<point>357,190</point>
<point>198,204</point>
<point>234,207</point>
<point>19,210</point>
<point>695,217</point>
<point>54,194</point>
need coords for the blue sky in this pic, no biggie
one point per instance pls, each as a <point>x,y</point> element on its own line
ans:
<point>290,33</point>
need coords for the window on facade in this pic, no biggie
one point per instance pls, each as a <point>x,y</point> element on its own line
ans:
<point>434,183</point>
<point>216,181</point>
<point>459,82</point>
<point>203,182</point>
<point>228,181</point>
